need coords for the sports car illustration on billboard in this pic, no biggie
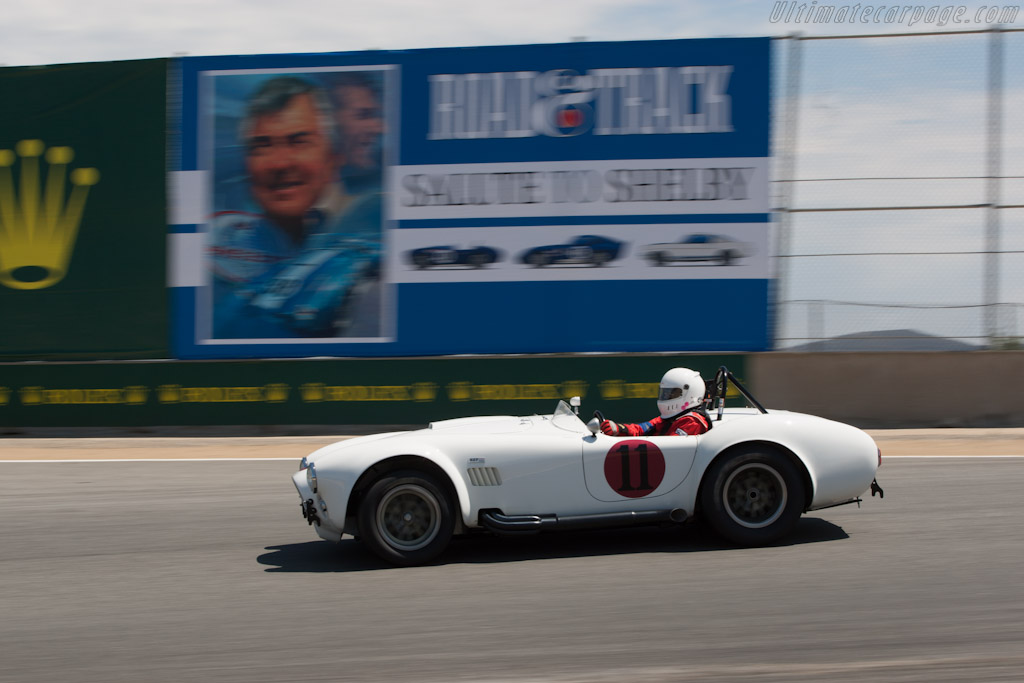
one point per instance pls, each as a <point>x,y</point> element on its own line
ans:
<point>476,257</point>
<point>700,247</point>
<point>585,249</point>
<point>314,292</point>
<point>751,477</point>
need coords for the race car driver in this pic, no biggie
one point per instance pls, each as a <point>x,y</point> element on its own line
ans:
<point>681,404</point>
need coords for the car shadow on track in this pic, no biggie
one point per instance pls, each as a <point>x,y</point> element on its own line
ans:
<point>351,556</point>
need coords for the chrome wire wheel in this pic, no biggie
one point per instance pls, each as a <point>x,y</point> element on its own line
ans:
<point>408,517</point>
<point>755,495</point>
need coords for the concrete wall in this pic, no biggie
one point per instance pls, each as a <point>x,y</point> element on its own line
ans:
<point>895,390</point>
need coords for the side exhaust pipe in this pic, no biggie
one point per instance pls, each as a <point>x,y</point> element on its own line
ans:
<point>499,523</point>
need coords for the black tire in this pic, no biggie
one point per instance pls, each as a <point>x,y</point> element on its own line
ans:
<point>538,259</point>
<point>407,517</point>
<point>725,258</point>
<point>753,497</point>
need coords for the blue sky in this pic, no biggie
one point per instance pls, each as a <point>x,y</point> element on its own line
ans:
<point>54,31</point>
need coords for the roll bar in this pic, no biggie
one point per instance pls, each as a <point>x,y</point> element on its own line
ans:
<point>720,387</point>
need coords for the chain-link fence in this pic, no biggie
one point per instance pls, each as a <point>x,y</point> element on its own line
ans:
<point>899,167</point>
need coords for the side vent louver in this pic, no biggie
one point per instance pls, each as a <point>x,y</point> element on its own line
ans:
<point>484,476</point>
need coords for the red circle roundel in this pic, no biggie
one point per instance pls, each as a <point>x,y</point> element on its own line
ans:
<point>634,468</point>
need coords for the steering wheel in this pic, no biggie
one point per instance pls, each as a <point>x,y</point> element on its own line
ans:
<point>720,389</point>
<point>599,415</point>
<point>721,385</point>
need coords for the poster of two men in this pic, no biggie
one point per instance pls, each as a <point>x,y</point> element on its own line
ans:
<point>295,237</point>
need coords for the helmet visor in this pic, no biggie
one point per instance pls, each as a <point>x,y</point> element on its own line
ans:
<point>669,393</point>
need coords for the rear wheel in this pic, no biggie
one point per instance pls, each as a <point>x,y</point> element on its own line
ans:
<point>407,517</point>
<point>753,497</point>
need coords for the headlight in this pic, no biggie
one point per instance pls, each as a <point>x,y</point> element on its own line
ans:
<point>311,477</point>
<point>304,464</point>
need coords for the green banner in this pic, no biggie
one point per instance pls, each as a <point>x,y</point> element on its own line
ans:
<point>83,211</point>
<point>333,392</point>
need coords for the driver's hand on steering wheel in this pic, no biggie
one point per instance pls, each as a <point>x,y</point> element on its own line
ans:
<point>610,428</point>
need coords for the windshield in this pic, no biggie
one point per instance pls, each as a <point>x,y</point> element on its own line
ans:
<point>565,418</point>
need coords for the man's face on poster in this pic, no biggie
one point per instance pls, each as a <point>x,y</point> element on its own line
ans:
<point>289,159</point>
<point>361,124</point>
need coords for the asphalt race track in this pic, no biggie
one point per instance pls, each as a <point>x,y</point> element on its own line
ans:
<point>205,571</point>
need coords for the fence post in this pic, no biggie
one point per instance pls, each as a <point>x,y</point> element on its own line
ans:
<point>787,174</point>
<point>993,182</point>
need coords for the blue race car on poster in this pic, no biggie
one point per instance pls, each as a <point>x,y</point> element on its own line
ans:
<point>585,249</point>
<point>476,257</point>
<point>314,293</point>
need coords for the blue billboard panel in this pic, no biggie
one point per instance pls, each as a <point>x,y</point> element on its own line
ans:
<point>548,198</point>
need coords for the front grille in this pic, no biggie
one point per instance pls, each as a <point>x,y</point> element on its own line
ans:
<point>484,476</point>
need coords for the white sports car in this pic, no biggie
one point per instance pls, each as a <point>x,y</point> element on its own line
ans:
<point>718,248</point>
<point>405,494</point>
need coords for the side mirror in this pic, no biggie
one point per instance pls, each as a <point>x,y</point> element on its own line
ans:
<point>594,426</point>
<point>575,403</point>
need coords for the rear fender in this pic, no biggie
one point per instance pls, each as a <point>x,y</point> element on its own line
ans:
<point>805,474</point>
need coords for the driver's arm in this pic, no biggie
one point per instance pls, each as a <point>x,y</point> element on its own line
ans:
<point>614,429</point>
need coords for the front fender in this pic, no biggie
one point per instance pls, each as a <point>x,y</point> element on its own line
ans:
<point>341,467</point>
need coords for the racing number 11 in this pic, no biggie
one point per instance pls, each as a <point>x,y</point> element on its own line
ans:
<point>634,468</point>
<point>624,453</point>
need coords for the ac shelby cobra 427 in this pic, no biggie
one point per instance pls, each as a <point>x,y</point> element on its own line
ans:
<point>405,494</point>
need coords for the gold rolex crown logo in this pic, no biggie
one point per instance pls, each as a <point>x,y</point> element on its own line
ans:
<point>39,223</point>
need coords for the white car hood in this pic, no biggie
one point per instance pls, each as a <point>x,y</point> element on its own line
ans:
<point>494,424</point>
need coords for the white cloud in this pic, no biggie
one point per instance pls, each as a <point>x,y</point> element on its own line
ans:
<point>52,31</point>
<point>59,31</point>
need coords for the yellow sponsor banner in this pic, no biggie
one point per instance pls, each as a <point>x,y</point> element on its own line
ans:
<point>315,392</point>
<point>467,391</point>
<point>616,389</point>
<point>268,393</point>
<point>34,396</point>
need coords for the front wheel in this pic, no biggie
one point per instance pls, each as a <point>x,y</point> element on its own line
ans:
<point>753,497</point>
<point>537,259</point>
<point>407,517</point>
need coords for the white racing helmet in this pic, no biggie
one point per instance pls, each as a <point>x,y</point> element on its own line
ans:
<point>681,389</point>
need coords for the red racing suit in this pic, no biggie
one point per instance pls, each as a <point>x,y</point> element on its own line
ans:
<point>689,422</point>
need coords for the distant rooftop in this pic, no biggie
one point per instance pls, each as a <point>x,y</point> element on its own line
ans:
<point>887,340</point>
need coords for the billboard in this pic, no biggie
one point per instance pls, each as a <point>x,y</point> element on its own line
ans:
<point>584,197</point>
<point>83,212</point>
